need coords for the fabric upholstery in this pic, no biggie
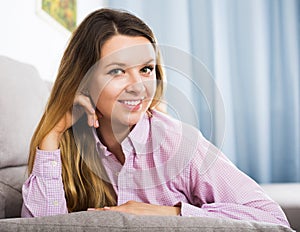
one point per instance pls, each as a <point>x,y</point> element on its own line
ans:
<point>288,197</point>
<point>115,221</point>
<point>2,202</point>
<point>11,180</point>
<point>23,95</point>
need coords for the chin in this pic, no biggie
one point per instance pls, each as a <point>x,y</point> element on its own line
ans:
<point>134,117</point>
<point>127,121</point>
<point>128,118</point>
<point>134,120</point>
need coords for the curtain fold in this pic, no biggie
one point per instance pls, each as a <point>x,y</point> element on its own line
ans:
<point>250,50</point>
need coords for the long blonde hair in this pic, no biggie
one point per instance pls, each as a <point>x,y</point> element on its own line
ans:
<point>83,186</point>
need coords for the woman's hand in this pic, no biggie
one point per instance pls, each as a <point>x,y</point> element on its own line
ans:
<point>139,208</point>
<point>82,104</point>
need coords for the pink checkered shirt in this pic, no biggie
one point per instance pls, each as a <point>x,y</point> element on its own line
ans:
<point>167,163</point>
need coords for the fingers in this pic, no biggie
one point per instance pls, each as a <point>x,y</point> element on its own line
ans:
<point>105,208</point>
<point>95,209</point>
<point>128,207</point>
<point>113,208</point>
<point>85,102</point>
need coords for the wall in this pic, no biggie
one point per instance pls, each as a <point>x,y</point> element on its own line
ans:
<point>30,38</point>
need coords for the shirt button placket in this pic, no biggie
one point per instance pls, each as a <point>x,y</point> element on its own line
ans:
<point>120,187</point>
<point>122,178</point>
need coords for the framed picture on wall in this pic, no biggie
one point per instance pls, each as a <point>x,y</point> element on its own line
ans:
<point>61,13</point>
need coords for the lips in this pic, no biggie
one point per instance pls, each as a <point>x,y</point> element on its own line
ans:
<point>134,104</point>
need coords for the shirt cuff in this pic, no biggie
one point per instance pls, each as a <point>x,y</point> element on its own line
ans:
<point>47,164</point>
<point>188,210</point>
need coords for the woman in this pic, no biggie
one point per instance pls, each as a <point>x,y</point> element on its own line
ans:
<point>121,154</point>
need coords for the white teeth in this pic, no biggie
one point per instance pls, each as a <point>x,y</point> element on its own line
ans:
<point>132,103</point>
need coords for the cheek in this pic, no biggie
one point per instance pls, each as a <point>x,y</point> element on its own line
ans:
<point>102,102</point>
<point>103,92</point>
<point>97,88</point>
<point>107,98</point>
<point>150,86</point>
<point>104,96</point>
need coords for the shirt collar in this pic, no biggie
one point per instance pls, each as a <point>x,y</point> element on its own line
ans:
<point>136,139</point>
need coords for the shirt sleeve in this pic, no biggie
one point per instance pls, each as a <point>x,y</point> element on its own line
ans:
<point>43,192</point>
<point>217,188</point>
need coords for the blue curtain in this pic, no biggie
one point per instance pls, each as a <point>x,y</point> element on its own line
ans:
<point>250,49</point>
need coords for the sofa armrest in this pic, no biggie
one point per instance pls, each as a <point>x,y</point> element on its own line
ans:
<point>287,195</point>
<point>116,221</point>
<point>11,180</point>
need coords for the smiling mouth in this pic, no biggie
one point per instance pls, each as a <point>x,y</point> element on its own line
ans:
<point>133,105</point>
<point>131,102</point>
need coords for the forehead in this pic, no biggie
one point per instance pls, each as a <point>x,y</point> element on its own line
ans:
<point>130,50</point>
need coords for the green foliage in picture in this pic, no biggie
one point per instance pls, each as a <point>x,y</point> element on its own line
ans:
<point>63,11</point>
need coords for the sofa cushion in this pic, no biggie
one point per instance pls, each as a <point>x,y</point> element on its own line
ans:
<point>23,96</point>
<point>11,180</point>
<point>287,195</point>
<point>2,203</point>
<point>116,221</point>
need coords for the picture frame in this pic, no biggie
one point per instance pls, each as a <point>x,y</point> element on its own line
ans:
<point>62,14</point>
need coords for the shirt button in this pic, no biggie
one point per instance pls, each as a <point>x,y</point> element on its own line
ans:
<point>53,163</point>
<point>117,173</point>
<point>55,203</point>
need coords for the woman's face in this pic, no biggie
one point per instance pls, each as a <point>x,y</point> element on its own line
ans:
<point>125,80</point>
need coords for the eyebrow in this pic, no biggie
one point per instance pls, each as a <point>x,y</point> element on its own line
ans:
<point>123,65</point>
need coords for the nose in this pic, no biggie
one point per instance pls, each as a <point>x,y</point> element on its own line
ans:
<point>135,84</point>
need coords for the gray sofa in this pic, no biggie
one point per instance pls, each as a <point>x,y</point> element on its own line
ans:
<point>23,95</point>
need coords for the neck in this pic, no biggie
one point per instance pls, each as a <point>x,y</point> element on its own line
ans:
<point>112,137</point>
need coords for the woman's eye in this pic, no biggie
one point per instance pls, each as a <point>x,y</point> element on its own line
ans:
<point>147,70</point>
<point>116,72</point>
